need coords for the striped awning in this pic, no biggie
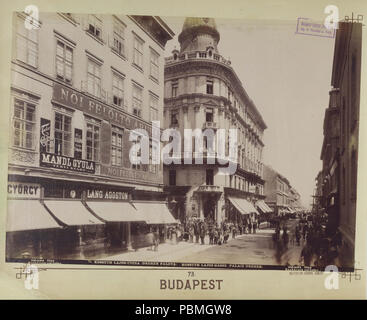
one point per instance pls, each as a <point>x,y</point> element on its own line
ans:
<point>242,205</point>
<point>154,212</point>
<point>71,212</point>
<point>28,215</point>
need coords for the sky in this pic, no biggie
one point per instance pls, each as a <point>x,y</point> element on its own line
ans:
<point>287,75</point>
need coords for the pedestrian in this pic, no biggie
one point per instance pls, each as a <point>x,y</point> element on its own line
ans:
<point>202,233</point>
<point>306,255</point>
<point>225,235</point>
<point>298,236</point>
<point>196,231</point>
<point>216,235</point>
<point>285,237</point>
<point>234,231</point>
<point>150,239</point>
<point>254,225</point>
<point>191,233</point>
<point>156,239</point>
<point>211,234</point>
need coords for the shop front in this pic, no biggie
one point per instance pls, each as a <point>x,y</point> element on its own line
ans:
<point>70,220</point>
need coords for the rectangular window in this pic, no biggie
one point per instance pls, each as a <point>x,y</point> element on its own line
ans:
<point>174,118</point>
<point>94,78</point>
<point>172,177</point>
<point>209,86</point>
<point>154,65</point>
<point>137,100</point>
<point>93,136</point>
<point>62,134</point>
<point>116,146</point>
<point>209,115</point>
<point>95,26</point>
<point>23,124</point>
<point>27,44</point>
<point>64,61</point>
<point>174,89</point>
<point>117,90</point>
<point>118,37</point>
<point>153,108</point>
<point>209,177</point>
<point>138,52</point>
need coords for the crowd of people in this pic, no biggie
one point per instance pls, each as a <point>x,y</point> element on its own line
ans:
<point>319,248</point>
<point>208,231</point>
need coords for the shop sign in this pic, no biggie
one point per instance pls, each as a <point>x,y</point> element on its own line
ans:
<point>71,98</point>
<point>24,190</point>
<point>67,163</point>
<point>119,172</point>
<point>106,194</point>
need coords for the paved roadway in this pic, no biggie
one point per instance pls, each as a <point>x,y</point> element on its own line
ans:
<point>256,248</point>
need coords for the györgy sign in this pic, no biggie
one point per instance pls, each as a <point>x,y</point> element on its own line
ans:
<point>23,190</point>
<point>63,162</point>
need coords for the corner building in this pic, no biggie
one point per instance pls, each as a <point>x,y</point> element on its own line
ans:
<point>81,84</point>
<point>202,91</point>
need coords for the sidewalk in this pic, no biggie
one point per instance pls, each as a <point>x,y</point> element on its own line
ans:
<point>167,252</point>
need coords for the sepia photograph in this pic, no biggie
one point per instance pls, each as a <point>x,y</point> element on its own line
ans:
<point>183,141</point>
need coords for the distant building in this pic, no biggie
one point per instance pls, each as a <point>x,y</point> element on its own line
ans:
<point>279,194</point>
<point>202,91</point>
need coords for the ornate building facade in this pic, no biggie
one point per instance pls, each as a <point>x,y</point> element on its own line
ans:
<point>202,91</point>
<point>81,84</point>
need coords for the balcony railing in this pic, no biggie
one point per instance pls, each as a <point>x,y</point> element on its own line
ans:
<point>210,125</point>
<point>208,188</point>
<point>197,55</point>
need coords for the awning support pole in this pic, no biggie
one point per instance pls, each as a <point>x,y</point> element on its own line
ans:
<point>128,236</point>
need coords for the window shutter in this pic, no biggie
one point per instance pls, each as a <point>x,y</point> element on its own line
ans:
<point>105,148</point>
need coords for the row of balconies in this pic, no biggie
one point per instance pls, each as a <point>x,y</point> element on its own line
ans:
<point>249,165</point>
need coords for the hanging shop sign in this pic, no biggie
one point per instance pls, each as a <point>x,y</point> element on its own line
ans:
<point>45,129</point>
<point>24,190</point>
<point>67,163</point>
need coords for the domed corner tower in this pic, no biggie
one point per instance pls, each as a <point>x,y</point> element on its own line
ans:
<point>199,34</point>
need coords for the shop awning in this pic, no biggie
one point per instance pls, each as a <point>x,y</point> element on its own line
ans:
<point>263,206</point>
<point>28,215</point>
<point>155,212</point>
<point>71,213</point>
<point>115,211</point>
<point>243,206</point>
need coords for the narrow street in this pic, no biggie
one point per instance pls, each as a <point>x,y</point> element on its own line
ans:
<point>256,248</point>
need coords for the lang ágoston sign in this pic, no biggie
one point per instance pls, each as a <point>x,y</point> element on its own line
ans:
<point>71,98</point>
<point>110,195</point>
<point>62,162</point>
